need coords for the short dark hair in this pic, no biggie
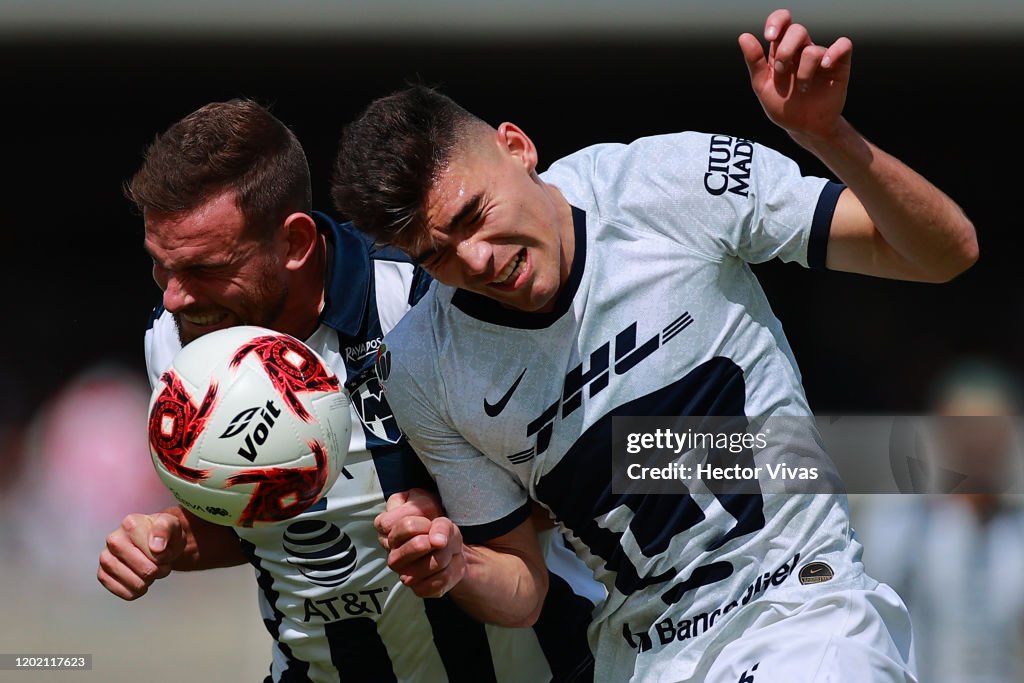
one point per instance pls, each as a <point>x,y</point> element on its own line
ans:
<point>235,145</point>
<point>389,157</point>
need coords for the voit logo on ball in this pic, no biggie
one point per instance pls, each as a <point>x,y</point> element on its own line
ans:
<point>266,420</point>
<point>321,551</point>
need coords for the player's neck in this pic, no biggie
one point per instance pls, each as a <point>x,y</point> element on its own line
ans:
<point>567,239</point>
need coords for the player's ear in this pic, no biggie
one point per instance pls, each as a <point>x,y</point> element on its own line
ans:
<point>300,236</point>
<point>517,143</point>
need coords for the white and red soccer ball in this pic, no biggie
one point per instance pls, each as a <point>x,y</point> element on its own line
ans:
<point>248,426</point>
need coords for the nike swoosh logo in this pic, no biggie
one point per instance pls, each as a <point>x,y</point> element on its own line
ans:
<point>495,409</point>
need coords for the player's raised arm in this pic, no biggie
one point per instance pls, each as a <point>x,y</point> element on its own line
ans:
<point>891,221</point>
<point>148,547</point>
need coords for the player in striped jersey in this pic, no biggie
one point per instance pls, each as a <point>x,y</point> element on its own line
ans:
<point>616,284</point>
<point>225,197</point>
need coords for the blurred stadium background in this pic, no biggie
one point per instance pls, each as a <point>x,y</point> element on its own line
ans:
<point>86,85</point>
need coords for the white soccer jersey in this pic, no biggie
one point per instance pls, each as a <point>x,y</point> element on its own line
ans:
<point>327,597</point>
<point>661,315</point>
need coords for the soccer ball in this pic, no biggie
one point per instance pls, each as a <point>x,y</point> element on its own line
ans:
<point>248,426</point>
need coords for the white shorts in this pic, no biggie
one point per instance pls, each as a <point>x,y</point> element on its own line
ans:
<point>852,635</point>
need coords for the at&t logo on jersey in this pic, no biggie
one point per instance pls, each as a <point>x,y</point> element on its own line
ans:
<point>320,551</point>
<point>344,605</point>
<point>327,557</point>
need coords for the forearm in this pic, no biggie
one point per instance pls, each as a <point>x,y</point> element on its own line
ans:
<point>501,588</point>
<point>503,582</point>
<point>207,546</point>
<point>926,235</point>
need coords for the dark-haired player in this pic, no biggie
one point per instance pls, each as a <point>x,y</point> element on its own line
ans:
<point>225,195</point>
<point>616,283</point>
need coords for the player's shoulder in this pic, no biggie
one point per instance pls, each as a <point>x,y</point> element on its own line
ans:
<point>360,268</point>
<point>412,355</point>
<point>622,152</point>
<point>159,320</point>
<point>161,341</point>
<point>417,330</point>
<point>599,176</point>
<point>357,245</point>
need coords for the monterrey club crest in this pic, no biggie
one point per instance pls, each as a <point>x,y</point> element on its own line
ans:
<point>367,393</point>
<point>382,366</point>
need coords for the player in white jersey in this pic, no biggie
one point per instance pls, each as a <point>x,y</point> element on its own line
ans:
<point>617,284</point>
<point>233,248</point>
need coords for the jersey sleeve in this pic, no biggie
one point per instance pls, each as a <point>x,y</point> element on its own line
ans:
<point>396,282</point>
<point>161,345</point>
<point>397,466</point>
<point>716,195</point>
<point>484,499</point>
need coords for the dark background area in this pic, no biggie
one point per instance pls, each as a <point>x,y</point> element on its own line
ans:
<point>77,115</point>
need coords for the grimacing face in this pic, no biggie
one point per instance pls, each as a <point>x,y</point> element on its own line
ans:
<point>494,227</point>
<point>211,273</point>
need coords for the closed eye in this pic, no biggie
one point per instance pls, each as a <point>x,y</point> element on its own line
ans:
<point>428,259</point>
<point>465,221</point>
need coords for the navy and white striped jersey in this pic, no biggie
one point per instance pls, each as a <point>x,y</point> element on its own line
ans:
<point>333,607</point>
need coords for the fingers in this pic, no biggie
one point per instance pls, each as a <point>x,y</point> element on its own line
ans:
<point>810,63</point>
<point>777,23</point>
<point>793,59</point>
<point>139,552</point>
<point>753,55</point>
<point>427,503</point>
<point>165,539</point>
<point>411,503</point>
<point>817,60</point>
<point>785,40</point>
<point>440,582</point>
<point>386,522</point>
<point>396,500</point>
<point>838,55</point>
<point>788,48</point>
<point>427,555</point>
<point>127,575</point>
<point>414,537</point>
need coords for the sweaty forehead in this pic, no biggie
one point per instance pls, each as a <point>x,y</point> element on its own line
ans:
<point>446,197</point>
<point>208,230</point>
<point>455,192</point>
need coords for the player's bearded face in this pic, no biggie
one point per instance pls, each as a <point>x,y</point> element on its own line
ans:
<point>212,272</point>
<point>262,306</point>
<point>496,229</point>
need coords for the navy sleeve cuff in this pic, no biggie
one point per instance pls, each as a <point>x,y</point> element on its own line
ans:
<point>400,469</point>
<point>821,224</point>
<point>485,532</point>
